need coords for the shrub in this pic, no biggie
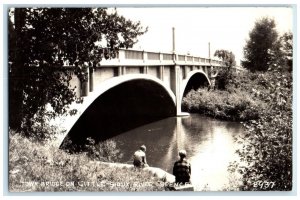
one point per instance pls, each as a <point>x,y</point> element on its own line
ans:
<point>103,151</point>
<point>223,79</point>
<point>222,104</point>
<point>266,153</point>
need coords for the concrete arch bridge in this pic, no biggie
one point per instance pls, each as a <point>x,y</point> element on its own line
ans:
<point>136,88</point>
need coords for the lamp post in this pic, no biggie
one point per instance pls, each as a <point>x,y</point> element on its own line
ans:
<point>173,39</point>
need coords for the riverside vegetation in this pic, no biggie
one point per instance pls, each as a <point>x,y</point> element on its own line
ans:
<point>238,102</point>
<point>263,103</point>
<point>42,166</point>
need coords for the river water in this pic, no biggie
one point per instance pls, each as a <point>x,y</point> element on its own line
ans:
<point>209,144</point>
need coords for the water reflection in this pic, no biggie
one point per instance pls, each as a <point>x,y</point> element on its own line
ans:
<point>208,142</point>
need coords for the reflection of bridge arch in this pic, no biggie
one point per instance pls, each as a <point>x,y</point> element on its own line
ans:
<point>196,75</point>
<point>120,104</point>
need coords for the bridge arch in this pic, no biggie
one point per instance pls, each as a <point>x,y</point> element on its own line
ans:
<point>118,105</point>
<point>193,80</point>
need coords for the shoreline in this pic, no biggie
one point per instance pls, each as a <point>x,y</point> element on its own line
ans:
<point>155,171</point>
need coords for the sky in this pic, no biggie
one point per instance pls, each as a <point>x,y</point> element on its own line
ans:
<point>223,27</point>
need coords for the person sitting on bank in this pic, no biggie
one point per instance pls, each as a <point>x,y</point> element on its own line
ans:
<point>182,169</point>
<point>139,157</point>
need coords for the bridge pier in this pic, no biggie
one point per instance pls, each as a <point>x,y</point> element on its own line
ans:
<point>91,78</point>
<point>123,70</point>
<point>145,69</point>
<point>161,72</point>
<point>176,88</point>
<point>85,85</point>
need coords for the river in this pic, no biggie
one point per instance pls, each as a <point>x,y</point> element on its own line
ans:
<point>209,144</point>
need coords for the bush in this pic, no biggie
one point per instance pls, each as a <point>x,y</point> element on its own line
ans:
<point>237,106</point>
<point>223,79</point>
<point>103,151</point>
<point>266,151</point>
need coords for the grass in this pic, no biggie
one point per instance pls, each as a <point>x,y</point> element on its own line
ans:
<point>36,166</point>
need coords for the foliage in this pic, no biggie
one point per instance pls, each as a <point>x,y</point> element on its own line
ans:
<point>287,49</point>
<point>266,148</point>
<point>103,151</point>
<point>262,50</point>
<point>240,101</point>
<point>220,104</point>
<point>41,129</point>
<point>224,76</point>
<point>227,56</point>
<point>35,167</point>
<point>43,40</point>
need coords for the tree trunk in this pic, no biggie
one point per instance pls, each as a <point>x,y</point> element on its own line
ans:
<point>16,72</point>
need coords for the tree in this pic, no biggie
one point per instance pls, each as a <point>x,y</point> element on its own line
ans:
<point>41,40</point>
<point>224,76</point>
<point>262,49</point>
<point>227,57</point>
<point>287,49</point>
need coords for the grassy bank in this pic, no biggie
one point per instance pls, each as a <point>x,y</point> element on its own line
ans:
<point>236,106</point>
<point>35,166</point>
<point>240,101</point>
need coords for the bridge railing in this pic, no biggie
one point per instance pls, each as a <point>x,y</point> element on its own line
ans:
<point>138,57</point>
<point>131,57</point>
<point>167,56</point>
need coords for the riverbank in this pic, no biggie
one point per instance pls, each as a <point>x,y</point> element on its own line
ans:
<point>238,102</point>
<point>40,167</point>
<point>236,106</point>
